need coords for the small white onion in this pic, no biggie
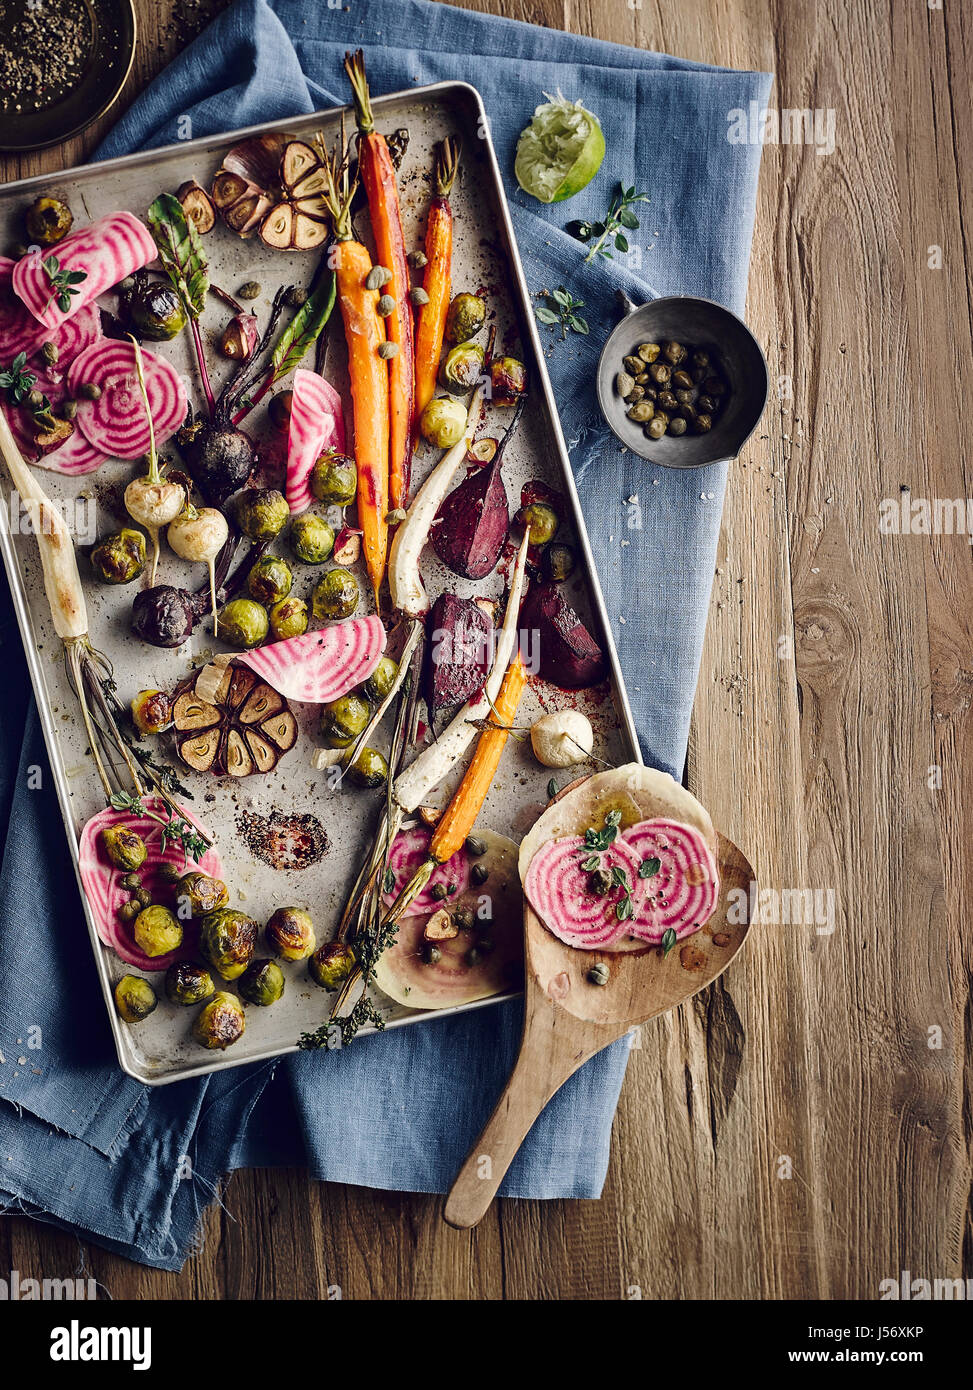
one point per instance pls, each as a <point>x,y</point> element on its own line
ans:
<point>562,738</point>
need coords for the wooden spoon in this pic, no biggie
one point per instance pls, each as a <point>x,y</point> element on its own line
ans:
<point>567,1020</point>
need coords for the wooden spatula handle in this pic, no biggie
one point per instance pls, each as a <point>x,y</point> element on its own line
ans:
<point>551,1049</point>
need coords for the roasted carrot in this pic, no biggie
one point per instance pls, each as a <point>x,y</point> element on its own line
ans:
<point>439,264</point>
<point>378,177</point>
<point>364,334</point>
<point>460,815</point>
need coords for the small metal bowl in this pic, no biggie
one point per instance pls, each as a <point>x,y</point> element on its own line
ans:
<point>702,324</point>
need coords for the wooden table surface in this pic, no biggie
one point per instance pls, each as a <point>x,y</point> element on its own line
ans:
<point>798,1129</point>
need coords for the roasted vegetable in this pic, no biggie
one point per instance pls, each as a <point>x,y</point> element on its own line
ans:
<point>134,998</point>
<point>343,720</point>
<point>539,520</point>
<point>245,728</point>
<point>561,738</point>
<point>290,933</point>
<point>467,315</point>
<point>462,367</point>
<point>47,221</point>
<point>155,310</point>
<point>381,681</point>
<point>188,983</point>
<point>508,379</point>
<point>457,653</point>
<point>220,1023</point>
<point>476,516</point>
<point>197,205</point>
<point>227,939</point>
<point>273,183</point>
<point>558,563</point>
<point>270,580</point>
<point>311,539</point>
<point>443,422</point>
<point>151,711</point>
<point>157,931</point>
<point>434,302</point>
<point>262,513</point>
<point>336,595</point>
<point>198,893</point>
<point>240,337</point>
<point>334,479</point>
<point>289,618</point>
<point>119,558</point>
<point>244,623</point>
<point>126,849</point>
<point>262,983</point>
<point>331,964</point>
<point>369,770</point>
<point>569,655</point>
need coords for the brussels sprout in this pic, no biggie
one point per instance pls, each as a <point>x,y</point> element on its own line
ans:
<point>124,847</point>
<point>369,770</point>
<point>270,580</point>
<point>381,680</point>
<point>155,310</point>
<point>312,539</point>
<point>330,964</point>
<point>462,367</point>
<point>151,711</point>
<point>335,595</point>
<point>262,513</point>
<point>262,983</point>
<point>290,933</point>
<point>188,983</point>
<point>540,520</point>
<point>119,558</point>
<point>289,618</point>
<point>443,422</point>
<point>334,479</point>
<point>244,623</point>
<point>157,931</point>
<point>227,940</point>
<point>199,893</point>
<point>467,315</point>
<point>558,562</point>
<point>47,220</point>
<point>509,380</point>
<point>134,998</point>
<point>343,720</point>
<point>220,1023</point>
<point>280,411</point>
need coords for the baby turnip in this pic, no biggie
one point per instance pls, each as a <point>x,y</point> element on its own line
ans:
<point>152,501</point>
<point>200,534</point>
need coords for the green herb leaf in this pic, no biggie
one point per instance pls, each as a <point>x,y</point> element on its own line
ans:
<point>613,818</point>
<point>621,244</point>
<point>591,863</point>
<point>551,789</point>
<point>668,941</point>
<point>625,909</point>
<point>304,328</point>
<point>649,868</point>
<point>578,325</point>
<point>561,296</point>
<point>388,882</point>
<point>628,219</point>
<point>618,875</point>
<point>180,251</point>
<point>546,315</point>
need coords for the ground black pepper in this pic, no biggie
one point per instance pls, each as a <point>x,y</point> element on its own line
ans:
<point>44,47</point>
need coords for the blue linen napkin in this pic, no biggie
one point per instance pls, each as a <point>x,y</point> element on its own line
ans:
<point>84,1145</point>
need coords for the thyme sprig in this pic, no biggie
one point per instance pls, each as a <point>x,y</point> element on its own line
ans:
<point>17,381</point>
<point>174,830</point>
<point>619,216</point>
<point>561,311</point>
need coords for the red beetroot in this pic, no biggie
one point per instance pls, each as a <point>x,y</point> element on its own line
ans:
<point>569,655</point>
<point>457,653</point>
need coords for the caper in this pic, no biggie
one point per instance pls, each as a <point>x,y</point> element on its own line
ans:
<point>431,955</point>
<point>474,846</point>
<point>385,306</point>
<point>418,296</point>
<point>641,411</point>
<point>706,404</point>
<point>633,365</point>
<point>377,277</point>
<point>479,874</point>
<point>648,352</point>
<point>131,882</point>
<point>418,259</point>
<point>388,350</point>
<point>682,380</point>
<point>170,873</point>
<point>684,397</point>
<point>656,428</point>
<point>558,562</point>
<point>624,381</point>
<point>89,391</point>
<point>250,289</point>
<point>674,353</point>
<point>438,892</point>
<point>35,400</point>
<point>701,358</point>
<point>642,379</point>
<point>635,395</point>
<point>598,974</point>
<point>704,423</point>
<point>667,400</point>
<point>688,412</point>
<point>600,882</point>
<point>660,373</point>
<point>296,297</point>
<point>651,393</point>
<point>677,425</point>
<point>714,386</point>
<point>463,917</point>
<point>49,352</point>
<point>699,374</point>
<point>129,911</point>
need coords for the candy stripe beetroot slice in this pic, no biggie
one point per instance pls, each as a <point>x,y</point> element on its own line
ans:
<point>683,894</point>
<point>557,888</point>
<point>74,457</point>
<point>316,424</point>
<point>102,882</point>
<point>116,423</point>
<point>408,850</point>
<point>320,666</point>
<point>105,252</point>
<point>19,330</point>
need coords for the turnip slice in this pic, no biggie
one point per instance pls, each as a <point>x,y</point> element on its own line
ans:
<point>102,885</point>
<point>117,423</point>
<point>409,849</point>
<point>104,252</point>
<point>320,666</point>
<point>557,889</point>
<point>403,971</point>
<point>316,424</point>
<point>682,894</point>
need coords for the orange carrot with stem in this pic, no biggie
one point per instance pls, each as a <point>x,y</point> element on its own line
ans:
<point>438,278</point>
<point>460,815</point>
<point>377,174</point>
<point>367,371</point>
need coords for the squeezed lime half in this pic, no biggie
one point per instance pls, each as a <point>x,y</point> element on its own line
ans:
<point>560,152</point>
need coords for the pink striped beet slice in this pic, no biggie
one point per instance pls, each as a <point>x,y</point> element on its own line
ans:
<point>320,666</point>
<point>104,252</point>
<point>316,424</point>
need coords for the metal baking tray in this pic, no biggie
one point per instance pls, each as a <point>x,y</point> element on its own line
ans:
<point>160,1049</point>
